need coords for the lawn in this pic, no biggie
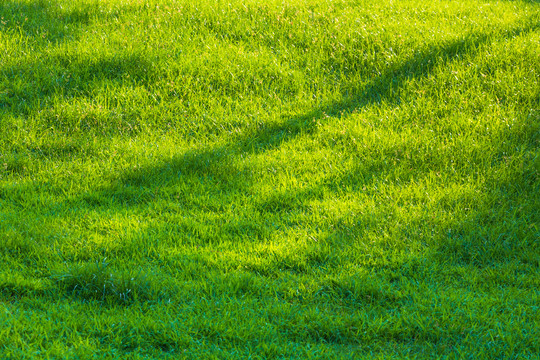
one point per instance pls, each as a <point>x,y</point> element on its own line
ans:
<point>298,179</point>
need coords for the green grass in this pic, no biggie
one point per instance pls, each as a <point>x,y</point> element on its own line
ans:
<point>279,179</point>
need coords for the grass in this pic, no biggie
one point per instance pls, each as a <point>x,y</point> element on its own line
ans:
<point>245,179</point>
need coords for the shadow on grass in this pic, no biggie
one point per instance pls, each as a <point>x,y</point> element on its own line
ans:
<point>51,22</point>
<point>63,77</point>
<point>41,20</point>
<point>214,171</point>
<point>28,88</point>
<point>386,87</point>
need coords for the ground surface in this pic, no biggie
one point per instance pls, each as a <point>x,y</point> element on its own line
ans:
<point>277,179</point>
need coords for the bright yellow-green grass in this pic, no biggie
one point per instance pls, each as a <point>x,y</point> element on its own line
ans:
<point>254,179</point>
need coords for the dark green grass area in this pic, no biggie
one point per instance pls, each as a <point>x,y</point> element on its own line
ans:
<point>246,179</point>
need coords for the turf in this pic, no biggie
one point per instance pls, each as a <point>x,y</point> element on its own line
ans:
<point>280,179</point>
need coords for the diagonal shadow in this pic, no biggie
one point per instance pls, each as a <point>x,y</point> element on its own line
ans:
<point>386,87</point>
<point>216,165</point>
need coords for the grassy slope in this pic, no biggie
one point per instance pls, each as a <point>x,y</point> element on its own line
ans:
<point>301,179</point>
